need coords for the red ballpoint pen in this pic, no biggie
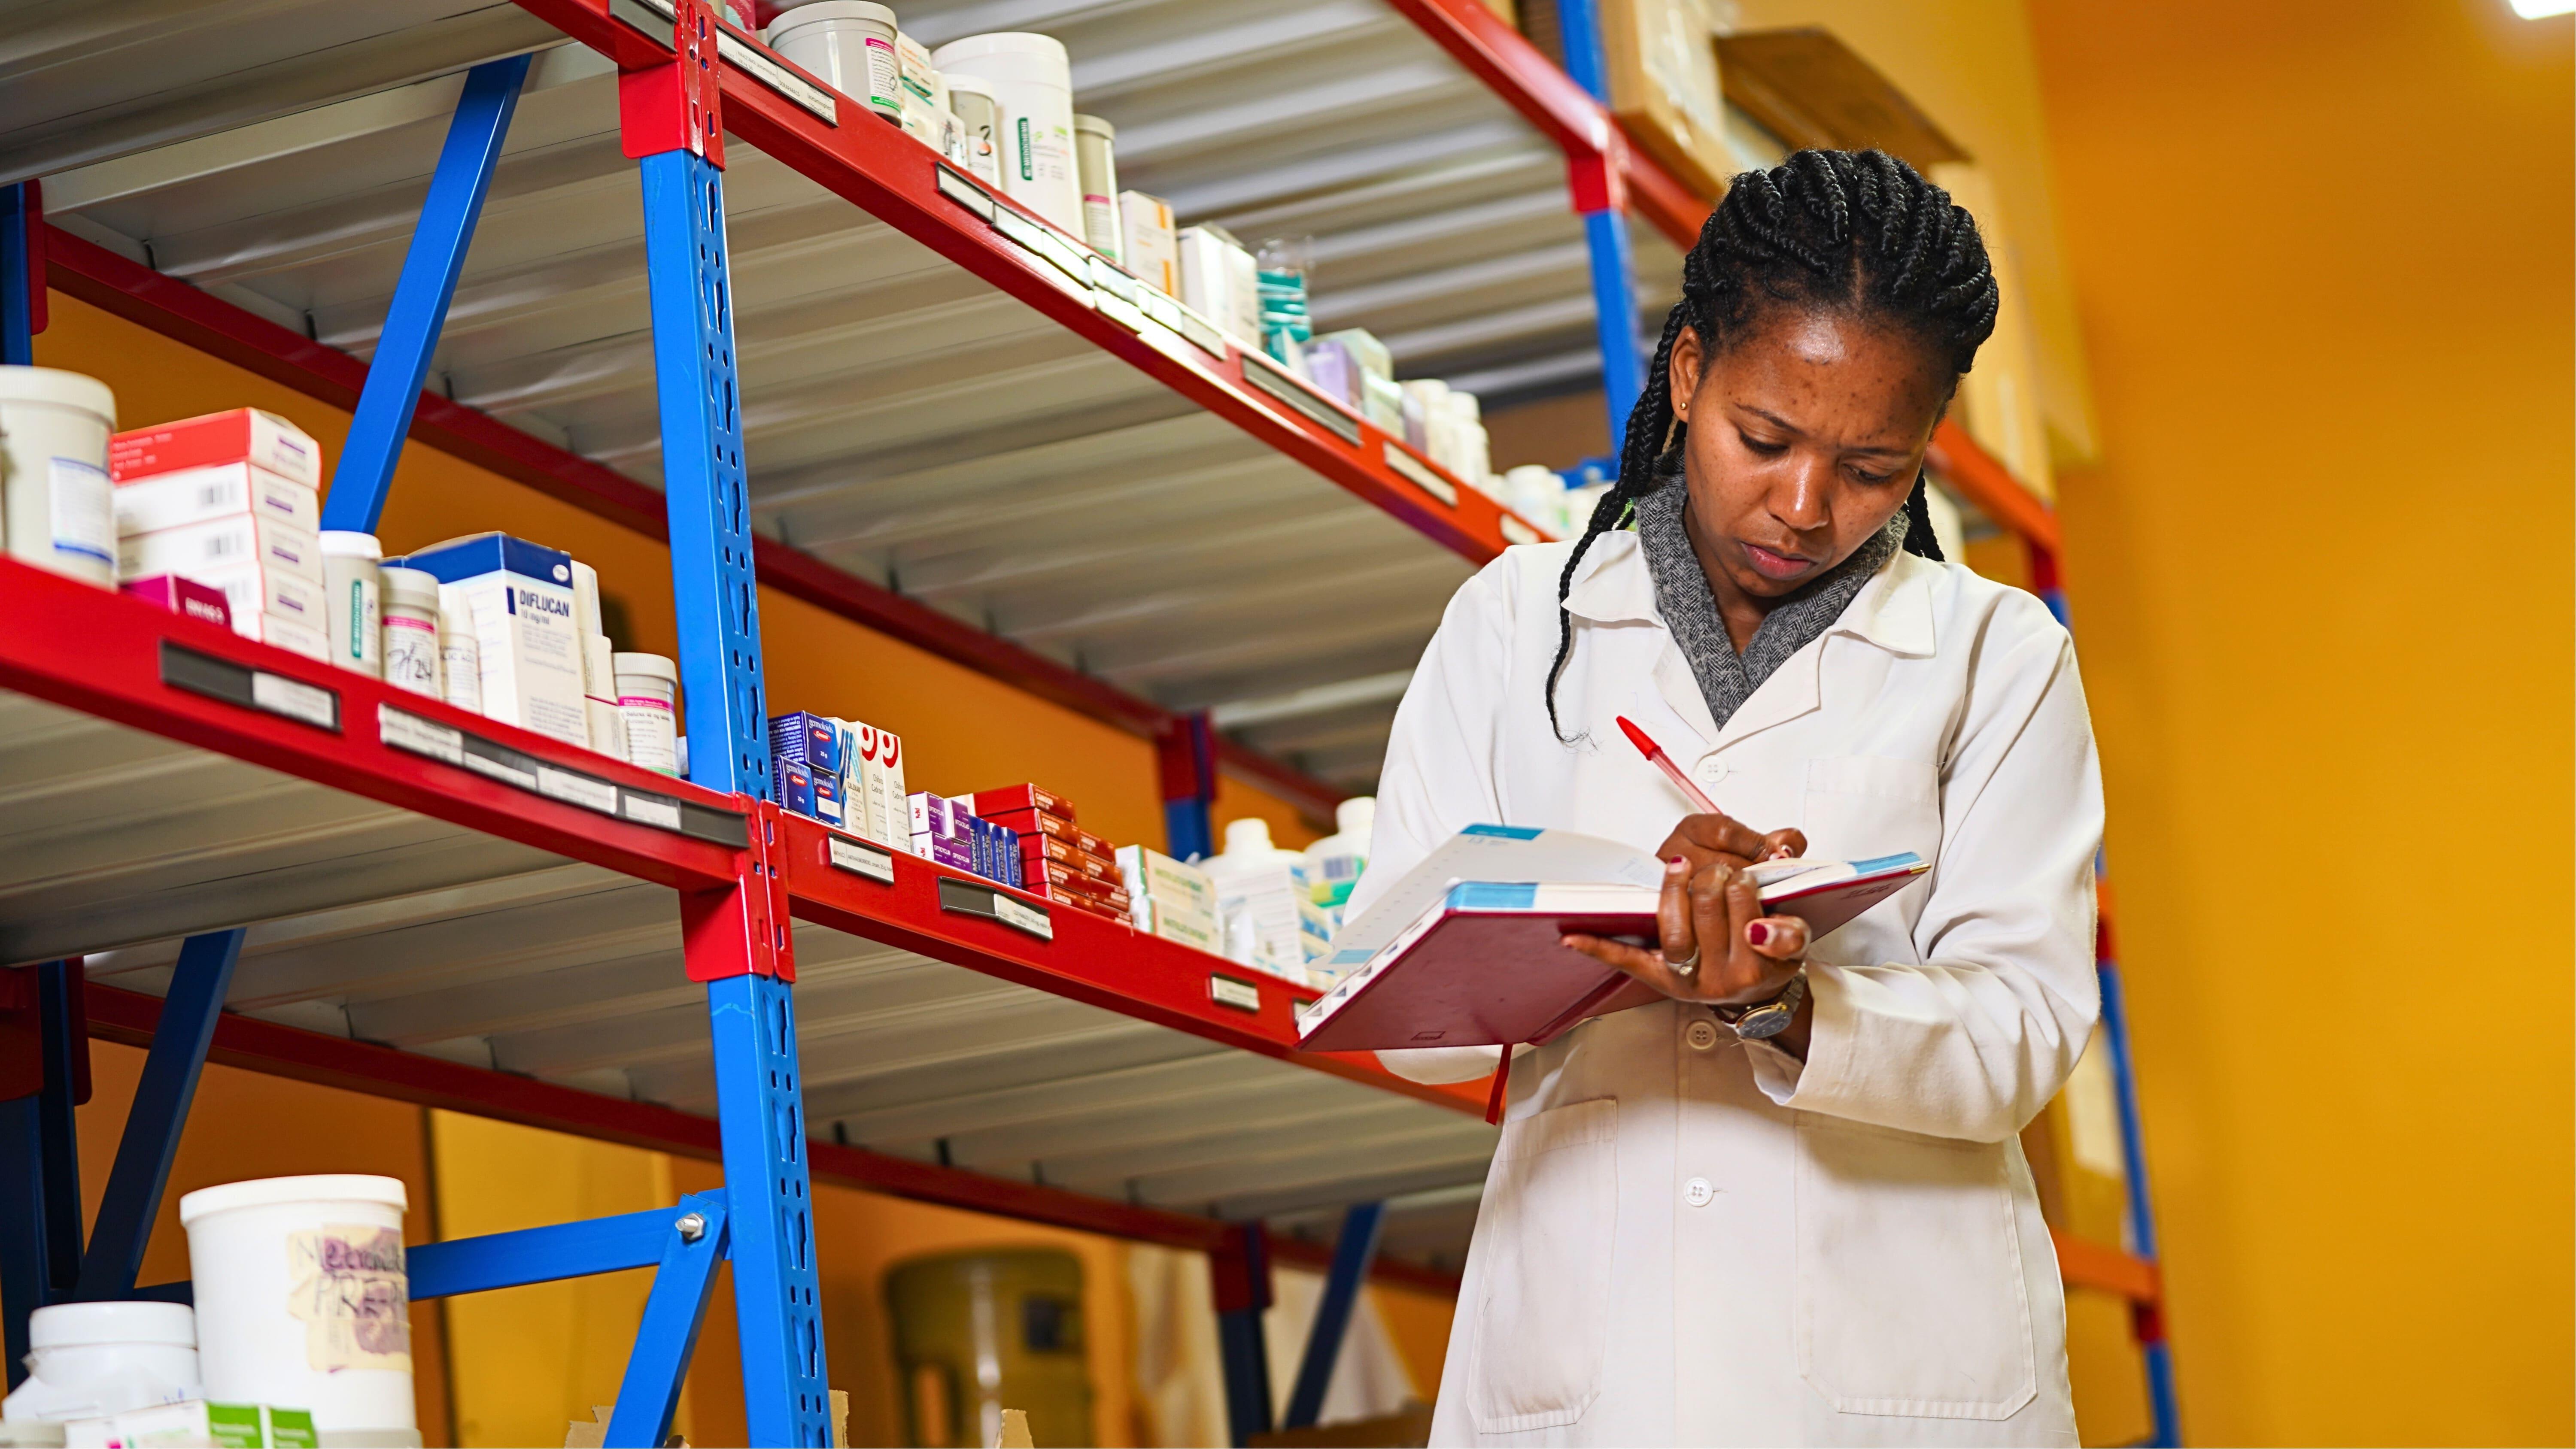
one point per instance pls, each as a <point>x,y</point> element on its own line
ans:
<point>1655,755</point>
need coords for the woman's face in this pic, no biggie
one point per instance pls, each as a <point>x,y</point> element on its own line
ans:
<point>1805,438</point>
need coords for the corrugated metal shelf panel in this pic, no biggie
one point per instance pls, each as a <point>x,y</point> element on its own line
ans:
<point>1098,1061</point>
<point>925,409</point>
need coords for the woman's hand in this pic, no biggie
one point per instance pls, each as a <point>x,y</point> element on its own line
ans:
<point>1717,946</point>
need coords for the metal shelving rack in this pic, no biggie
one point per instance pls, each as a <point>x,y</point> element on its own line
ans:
<point>391,827</point>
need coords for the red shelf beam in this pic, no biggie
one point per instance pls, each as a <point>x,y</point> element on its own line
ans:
<point>100,652</point>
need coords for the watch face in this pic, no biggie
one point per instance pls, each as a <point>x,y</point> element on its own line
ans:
<point>1765,1021</point>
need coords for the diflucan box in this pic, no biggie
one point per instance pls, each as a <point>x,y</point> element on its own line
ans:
<point>518,601</point>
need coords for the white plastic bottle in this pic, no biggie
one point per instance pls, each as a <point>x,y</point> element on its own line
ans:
<point>60,511</point>
<point>1334,863</point>
<point>353,599</point>
<point>1256,899</point>
<point>1031,78</point>
<point>411,629</point>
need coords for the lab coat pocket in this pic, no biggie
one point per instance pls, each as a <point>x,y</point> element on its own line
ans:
<point>1543,1321</point>
<point>1859,806</point>
<point>1911,1299</point>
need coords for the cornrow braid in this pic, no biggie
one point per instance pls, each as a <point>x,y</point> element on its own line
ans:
<point>1840,230</point>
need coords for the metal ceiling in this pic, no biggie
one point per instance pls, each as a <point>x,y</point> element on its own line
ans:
<point>386,926</point>
<point>905,420</point>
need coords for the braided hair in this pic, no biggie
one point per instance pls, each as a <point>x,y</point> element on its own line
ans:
<point>1851,231</point>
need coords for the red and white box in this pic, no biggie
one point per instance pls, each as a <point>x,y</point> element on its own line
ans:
<point>182,596</point>
<point>995,805</point>
<point>224,490</point>
<point>243,435</point>
<point>222,543</point>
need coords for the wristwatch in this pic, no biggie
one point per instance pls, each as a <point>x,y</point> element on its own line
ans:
<point>1766,1019</point>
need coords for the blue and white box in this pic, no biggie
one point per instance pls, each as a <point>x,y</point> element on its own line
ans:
<point>520,600</point>
<point>809,741</point>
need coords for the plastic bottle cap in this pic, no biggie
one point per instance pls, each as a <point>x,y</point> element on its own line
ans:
<point>650,666</point>
<point>1094,126</point>
<point>269,1191</point>
<point>346,543</point>
<point>416,587</point>
<point>816,11</point>
<point>82,1325</point>
<point>1356,816</point>
<point>1252,833</point>
<point>60,388</point>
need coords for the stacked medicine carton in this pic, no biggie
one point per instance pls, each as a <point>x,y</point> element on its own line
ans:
<point>227,502</point>
<point>1056,858</point>
<point>844,773</point>
<point>1174,901</point>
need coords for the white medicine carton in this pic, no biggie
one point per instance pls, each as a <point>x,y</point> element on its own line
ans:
<point>255,588</point>
<point>221,543</point>
<point>226,490</point>
<point>519,597</point>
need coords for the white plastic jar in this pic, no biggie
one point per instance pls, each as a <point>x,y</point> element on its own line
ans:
<point>1031,79</point>
<point>302,1298</point>
<point>57,510</point>
<point>460,653</point>
<point>984,121</point>
<point>1095,157</point>
<point>411,630</point>
<point>88,1360</point>
<point>849,46</point>
<point>648,695</point>
<point>353,599</point>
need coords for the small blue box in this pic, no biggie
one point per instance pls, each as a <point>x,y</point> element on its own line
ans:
<point>810,741</point>
<point>828,806</point>
<point>795,786</point>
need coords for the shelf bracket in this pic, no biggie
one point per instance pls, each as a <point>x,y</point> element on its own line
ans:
<point>1353,1251</point>
<point>697,1240</point>
<point>359,486</point>
<point>132,1202</point>
<point>22,277</point>
<point>1241,1277</point>
<point>1185,757</point>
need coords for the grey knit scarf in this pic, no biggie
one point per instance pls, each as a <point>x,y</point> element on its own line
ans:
<point>1727,678</point>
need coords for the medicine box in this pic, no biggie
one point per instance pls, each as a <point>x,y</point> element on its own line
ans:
<point>253,589</point>
<point>1189,928</point>
<point>993,804</point>
<point>182,596</point>
<point>219,543</point>
<point>795,786</point>
<point>196,495</point>
<point>194,1421</point>
<point>243,435</point>
<point>1220,281</point>
<point>810,740</point>
<point>1150,874</point>
<point>520,599</point>
<point>1153,253</point>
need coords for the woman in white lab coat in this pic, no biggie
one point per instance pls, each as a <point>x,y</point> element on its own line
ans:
<point>1783,1202</point>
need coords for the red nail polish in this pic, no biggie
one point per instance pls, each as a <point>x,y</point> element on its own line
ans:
<point>1757,933</point>
<point>1678,862</point>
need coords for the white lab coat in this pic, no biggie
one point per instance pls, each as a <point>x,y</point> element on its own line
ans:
<point>1687,1240</point>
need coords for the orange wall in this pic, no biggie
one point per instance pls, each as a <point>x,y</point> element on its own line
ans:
<point>2321,582</point>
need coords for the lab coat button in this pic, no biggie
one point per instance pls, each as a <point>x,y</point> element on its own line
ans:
<point>1701,1035</point>
<point>1697,1192</point>
<point>1712,770</point>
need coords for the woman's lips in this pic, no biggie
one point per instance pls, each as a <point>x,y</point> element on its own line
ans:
<point>1775,565</point>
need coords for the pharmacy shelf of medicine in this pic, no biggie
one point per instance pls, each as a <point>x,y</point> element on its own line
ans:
<point>428,883</point>
<point>941,410</point>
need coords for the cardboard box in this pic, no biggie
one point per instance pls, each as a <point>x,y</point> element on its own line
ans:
<point>199,495</point>
<point>994,804</point>
<point>228,1426</point>
<point>1189,928</point>
<point>1153,251</point>
<point>182,596</point>
<point>1664,86</point>
<point>810,740</point>
<point>518,597</point>
<point>221,543</point>
<point>1220,282</point>
<point>1149,873</point>
<point>243,435</point>
<point>294,636</point>
<point>252,589</point>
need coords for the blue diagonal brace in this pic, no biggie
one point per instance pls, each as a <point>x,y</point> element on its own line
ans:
<point>412,324</point>
<point>1352,1254</point>
<point>672,1315</point>
<point>152,1126</point>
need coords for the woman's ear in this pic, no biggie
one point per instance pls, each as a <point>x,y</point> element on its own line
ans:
<point>1683,379</point>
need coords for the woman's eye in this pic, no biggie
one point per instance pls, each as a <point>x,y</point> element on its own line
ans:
<point>1761,448</point>
<point>1866,476</point>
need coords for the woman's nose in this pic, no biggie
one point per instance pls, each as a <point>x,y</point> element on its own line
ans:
<point>1798,500</point>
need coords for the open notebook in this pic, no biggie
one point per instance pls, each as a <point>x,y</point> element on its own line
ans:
<point>1464,950</point>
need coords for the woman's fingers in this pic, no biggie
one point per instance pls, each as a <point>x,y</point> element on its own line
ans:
<point>1782,938</point>
<point>1713,919</point>
<point>1673,911</point>
<point>1717,835</point>
<point>1636,961</point>
<point>1783,844</point>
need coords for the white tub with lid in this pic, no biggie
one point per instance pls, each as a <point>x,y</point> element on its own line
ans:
<point>302,1299</point>
<point>353,599</point>
<point>849,45</point>
<point>648,695</point>
<point>1031,79</point>
<point>88,1360</point>
<point>411,629</point>
<point>57,510</point>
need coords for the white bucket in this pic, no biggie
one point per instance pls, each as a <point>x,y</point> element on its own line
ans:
<point>849,46</point>
<point>412,628</point>
<point>648,695</point>
<point>302,1301</point>
<point>93,1359</point>
<point>57,510</point>
<point>1032,81</point>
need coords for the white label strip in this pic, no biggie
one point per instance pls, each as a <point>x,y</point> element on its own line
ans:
<point>1515,531</point>
<point>1428,478</point>
<point>866,860</point>
<point>1119,311</point>
<point>967,194</point>
<point>401,730</point>
<point>1202,333</point>
<point>1167,342</point>
<point>507,774</point>
<point>1242,995</point>
<point>578,790</point>
<point>650,810</point>
<point>1022,917</point>
<point>295,699</point>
